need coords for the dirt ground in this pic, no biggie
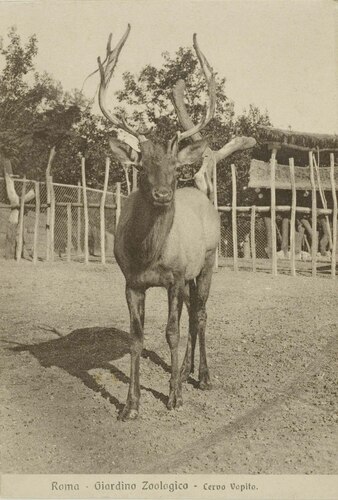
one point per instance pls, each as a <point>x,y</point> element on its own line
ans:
<point>272,346</point>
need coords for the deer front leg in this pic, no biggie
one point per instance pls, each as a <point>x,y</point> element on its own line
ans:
<point>175,300</point>
<point>135,300</point>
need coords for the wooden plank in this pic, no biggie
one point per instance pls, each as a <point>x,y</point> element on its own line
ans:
<point>314,244</point>
<point>134,179</point>
<point>102,213</point>
<point>85,210</point>
<point>293,219</point>
<point>279,208</point>
<point>19,245</point>
<point>214,180</point>
<point>273,214</point>
<point>48,218</point>
<point>334,219</point>
<point>118,202</point>
<point>69,231</point>
<point>78,226</point>
<point>52,219</point>
<point>36,223</point>
<point>260,176</point>
<point>234,216</point>
<point>253,237</point>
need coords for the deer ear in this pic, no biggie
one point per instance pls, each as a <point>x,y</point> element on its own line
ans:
<point>190,154</point>
<point>125,154</point>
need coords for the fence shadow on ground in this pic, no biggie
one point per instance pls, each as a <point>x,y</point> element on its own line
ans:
<point>89,348</point>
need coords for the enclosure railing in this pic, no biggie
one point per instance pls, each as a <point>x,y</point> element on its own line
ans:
<point>62,219</point>
<point>247,235</point>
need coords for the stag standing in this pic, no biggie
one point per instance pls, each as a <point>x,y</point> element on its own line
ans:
<point>165,238</point>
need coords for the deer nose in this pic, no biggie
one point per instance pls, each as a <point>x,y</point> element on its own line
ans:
<point>162,195</point>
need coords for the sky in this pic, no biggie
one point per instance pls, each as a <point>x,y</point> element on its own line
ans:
<point>279,55</point>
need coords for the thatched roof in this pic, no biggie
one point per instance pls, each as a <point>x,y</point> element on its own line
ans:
<point>260,173</point>
<point>298,140</point>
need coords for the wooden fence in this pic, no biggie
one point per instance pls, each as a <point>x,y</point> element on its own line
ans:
<point>292,209</point>
<point>50,205</point>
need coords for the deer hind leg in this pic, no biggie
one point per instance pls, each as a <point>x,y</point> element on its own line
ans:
<point>175,301</point>
<point>188,362</point>
<point>135,300</point>
<point>198,309</point>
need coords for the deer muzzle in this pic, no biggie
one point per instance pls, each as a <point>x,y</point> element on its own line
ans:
<point>162,196</point>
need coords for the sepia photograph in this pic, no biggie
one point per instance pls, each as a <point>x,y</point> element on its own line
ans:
<point>169,249</point>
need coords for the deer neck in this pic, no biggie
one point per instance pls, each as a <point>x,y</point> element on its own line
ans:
<point>148,229</point>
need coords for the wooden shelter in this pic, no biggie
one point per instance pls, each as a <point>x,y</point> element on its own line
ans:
<point>315,150</point>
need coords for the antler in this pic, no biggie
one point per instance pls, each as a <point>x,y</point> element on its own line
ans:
<point>178,91</point>
<point>106,71</point>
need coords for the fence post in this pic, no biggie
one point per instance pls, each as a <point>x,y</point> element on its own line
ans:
<point>134,187</point>
<point>118,201</point>
<point>216,206</point>
<point>48,218</point>
<point>69,231</point>
<point>36,225</point>
<point>234,216</point>
<point>102,213</point>
<point>293,218</point>
<point>273,212</point>
<point>78,240</point>
<point>85,210</point>
<point>314,217</point>
<point>19,245</point>
<point>253,236</point>
<point>52,218</point>
<point>334,218</point>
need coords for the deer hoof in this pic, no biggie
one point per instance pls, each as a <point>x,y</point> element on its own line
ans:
<point>175,400</point>
<point>204,383</point>
<point>128,414</point>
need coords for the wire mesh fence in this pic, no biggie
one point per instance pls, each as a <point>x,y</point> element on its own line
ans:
<point>68,224</point>
<point>253,248</point>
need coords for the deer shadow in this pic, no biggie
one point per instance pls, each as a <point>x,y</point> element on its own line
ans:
<point>88,348</point>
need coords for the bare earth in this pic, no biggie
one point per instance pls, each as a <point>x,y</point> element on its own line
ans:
<point>272,346</point>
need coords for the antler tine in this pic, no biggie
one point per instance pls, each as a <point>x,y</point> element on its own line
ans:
<point>209,76</point>
<point>106,72</point>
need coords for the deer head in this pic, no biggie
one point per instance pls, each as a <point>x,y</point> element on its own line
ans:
<point>157,164</point>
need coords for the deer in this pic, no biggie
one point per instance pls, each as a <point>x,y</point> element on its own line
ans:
<point>166,237</point>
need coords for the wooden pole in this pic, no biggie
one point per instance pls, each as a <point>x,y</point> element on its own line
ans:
<point>314,217</point>
<point>19,245</point>
<point>253,236</point>
<point>234,216</point>
<point>36,225</point>
<point>48,218</point>
<point>118,202</point>
<point>273,213</point>
<point>334,219</point>
<point>52,218</point>
<point>69,231</point>
<point>78,239</point>
<point>134,179</point>
<point>126,174</point>
<point>85,210</point>
<point>215,205</point>
<point>293,218</point>
<point>102,213</point>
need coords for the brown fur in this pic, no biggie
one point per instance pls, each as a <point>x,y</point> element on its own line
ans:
<point>167,238</point>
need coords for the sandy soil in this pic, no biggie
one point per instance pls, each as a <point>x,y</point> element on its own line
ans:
<point>272,346</point>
